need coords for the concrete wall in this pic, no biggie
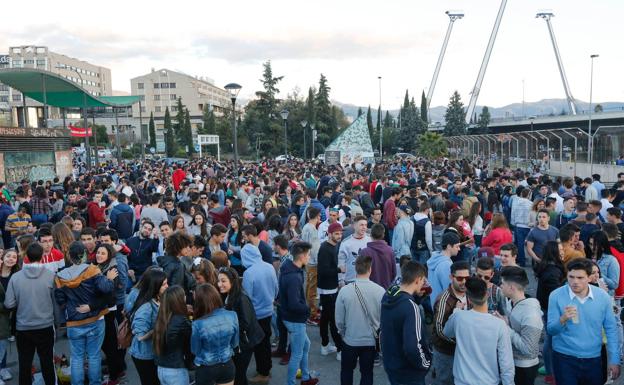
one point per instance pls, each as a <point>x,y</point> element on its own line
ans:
<point>608,172</point>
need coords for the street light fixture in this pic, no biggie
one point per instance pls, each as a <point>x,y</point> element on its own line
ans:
<point>84,113</point>
<point>284,114</point>
<point>233,89</point>
<point>304,124</point>
<point>313,138</point>
<point>590,139</point>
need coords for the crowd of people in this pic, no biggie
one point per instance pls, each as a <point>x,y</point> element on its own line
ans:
<point>423,266</point>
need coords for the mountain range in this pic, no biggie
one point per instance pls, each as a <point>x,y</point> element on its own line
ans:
<point>543,107</point>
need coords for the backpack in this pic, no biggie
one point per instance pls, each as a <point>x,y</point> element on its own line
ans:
<point>437,233</point>
<point>419,241</point>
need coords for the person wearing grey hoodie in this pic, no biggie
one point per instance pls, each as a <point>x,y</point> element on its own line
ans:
<point>31,291</point>
<point>260,284</point>
<point>439,265</point>
<point>525,324</point>
<point>403,232</point>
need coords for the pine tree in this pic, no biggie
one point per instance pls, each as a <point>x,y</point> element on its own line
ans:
<point>483,121</point>
<point>170,142</point>
<point>187,132</point>
<point>323,111</point>
<point>379,119</point>
<point>423,108</point>
<point>179,123</point>
<point>310,108</point>
<point>388,121</point>
<point>152,131</point>
<point>359,113</point>
<point>208,118</point>
<point>369,121</point>
<point>455,116</point>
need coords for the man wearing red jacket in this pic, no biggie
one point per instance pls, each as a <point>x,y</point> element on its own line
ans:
<point>178,176</point>
<point>389,211</point>
<point>52,258</point>
<point>96,210</point>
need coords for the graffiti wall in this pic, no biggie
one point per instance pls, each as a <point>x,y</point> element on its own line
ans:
<point>29,165</point>
<point>63,163</point>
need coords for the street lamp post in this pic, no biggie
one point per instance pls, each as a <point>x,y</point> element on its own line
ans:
<point>304,123</point>
<point>84,113</point>
<point>590,139</point>
<point>284,114</point>
<point>379,120</point>
<point>313,138</point>
<point>233,89</point>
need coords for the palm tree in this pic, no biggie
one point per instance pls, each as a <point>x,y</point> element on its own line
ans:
<point>431,145</point>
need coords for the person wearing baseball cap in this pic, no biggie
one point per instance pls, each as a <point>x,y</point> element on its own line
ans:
<point>327,288</point>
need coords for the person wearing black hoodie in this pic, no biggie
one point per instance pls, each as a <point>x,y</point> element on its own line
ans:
<point>406,353</point>
<point>178,245</point>
<point>295,311</point>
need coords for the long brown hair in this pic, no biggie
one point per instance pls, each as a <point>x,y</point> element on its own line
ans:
<point>172,303</point>
<point>207,300</point>
<point>206,269</point>
<point>475,209</point>
<point>63,237</point>
<point>499,221</point>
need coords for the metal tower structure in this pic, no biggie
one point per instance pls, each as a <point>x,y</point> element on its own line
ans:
<point>547,15</point>
<point>453,15</point>
<point>486,58</point>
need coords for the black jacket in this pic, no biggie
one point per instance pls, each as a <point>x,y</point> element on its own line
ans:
<point>293,305</point>
<point>177,349</point>
<point>250,332</point>
<point>177,274</point>
<point>327,267</point>
<point>549,278</point>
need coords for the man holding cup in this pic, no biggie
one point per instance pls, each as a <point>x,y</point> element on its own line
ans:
<point>577,314</point>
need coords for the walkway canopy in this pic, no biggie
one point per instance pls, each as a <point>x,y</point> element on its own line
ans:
<point>56,91</point>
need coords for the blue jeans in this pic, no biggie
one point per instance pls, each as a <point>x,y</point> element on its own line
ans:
<point>520,234</point>
<point>173,376</point>
<point>420,256</point>
<point>299,349</point>
<point>577,371</point>
<point>3,349</point>
<point>86,340</point>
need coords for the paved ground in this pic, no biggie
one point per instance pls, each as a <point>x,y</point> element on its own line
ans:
<point>327,366</point>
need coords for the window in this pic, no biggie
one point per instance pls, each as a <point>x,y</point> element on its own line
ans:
<point>4,99</point>
<point>17,63</point>
<point>174,108</point>
<point>141,86</point>
<point>29,62</point>
<point>17,97</point>
<point>173,97</point>
<point>164,85</point>
<point>156,97</point>
<point>41,62</point>
<point>142,109</point>
<point>172,85</point>
<point>4,87</point>
<point>142,98</point>
<point>156,85</point>
<point>157,109</point>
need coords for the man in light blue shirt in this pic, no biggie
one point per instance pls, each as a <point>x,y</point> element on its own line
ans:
<point>577,314</point>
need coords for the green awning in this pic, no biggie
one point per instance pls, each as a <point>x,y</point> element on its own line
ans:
<point>59,92</point>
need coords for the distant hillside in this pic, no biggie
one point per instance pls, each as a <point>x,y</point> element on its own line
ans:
<point>542,107</point>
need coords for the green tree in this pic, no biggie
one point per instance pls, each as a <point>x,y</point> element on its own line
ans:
<point>379,119</point>
<point>455,116</point>
<point>388,120</point>
<point>102,134</point>
<point>411,125</point>
<point>179,123</point>
<point>359,113</point>
<point>369,121</point>
<point>431,145</point>
<point>423,108</point>
<point>483,121</point>
<point>170,142</point>
<point>187,132</point>
<point>208,119</point>
<point>324,120</point>
<point>152,131</point>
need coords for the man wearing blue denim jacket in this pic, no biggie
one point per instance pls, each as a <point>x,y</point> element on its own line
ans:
<point>260,284</point>
<point>76,287</point>
<point>295,311</point>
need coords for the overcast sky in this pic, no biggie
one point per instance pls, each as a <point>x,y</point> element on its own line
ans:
<point>351,42</point>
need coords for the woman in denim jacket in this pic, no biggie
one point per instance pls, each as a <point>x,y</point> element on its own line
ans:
<point>144,313</point>
<point>214,338</point>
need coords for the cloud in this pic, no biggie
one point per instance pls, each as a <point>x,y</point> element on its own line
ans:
<point>339,46</point>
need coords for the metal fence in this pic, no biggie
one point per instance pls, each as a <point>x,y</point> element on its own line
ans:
<point>559,151</point>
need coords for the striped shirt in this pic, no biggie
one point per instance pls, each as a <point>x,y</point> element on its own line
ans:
<point>16,224</point>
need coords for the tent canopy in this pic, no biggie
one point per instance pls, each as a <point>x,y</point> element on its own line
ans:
<point>56,91</point>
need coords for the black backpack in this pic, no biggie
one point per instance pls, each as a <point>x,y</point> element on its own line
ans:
<point>419,242</point>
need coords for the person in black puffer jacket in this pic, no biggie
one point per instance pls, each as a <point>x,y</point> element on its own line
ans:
<point>250,332</point>
<point>177,246</point>
<point>172,338</point>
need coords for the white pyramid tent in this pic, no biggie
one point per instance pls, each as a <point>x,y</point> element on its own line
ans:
<point>354,143</point>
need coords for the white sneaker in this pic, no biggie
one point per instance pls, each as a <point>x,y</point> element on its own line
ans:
<point>325,350</point>
<point>339,356</point>
<point>5,375</point>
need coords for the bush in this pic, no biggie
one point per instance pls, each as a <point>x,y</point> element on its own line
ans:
<point>127,154</point>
